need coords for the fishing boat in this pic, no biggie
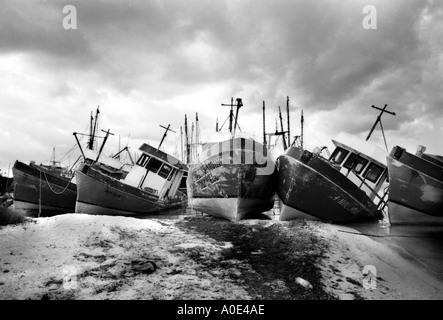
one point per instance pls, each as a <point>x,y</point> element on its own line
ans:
<point>415,187</point>
<point>233,178</point>
<point>343,188</point>
<point>40,188</point>
<point>151,185</point>
<point>51,189</point>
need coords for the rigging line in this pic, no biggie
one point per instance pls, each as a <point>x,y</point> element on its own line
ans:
<point>384,236</point>
<point>54,190</point>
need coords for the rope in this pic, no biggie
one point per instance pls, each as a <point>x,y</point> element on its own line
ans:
<point>40,196</point>
<point>50,185</point>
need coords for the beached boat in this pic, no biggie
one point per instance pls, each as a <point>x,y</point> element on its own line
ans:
<point>233,179</point>
<point>51,189</point>
<point>43,188</point>
<point>151,185</point>
<point>415,187</point>
<point>343,188</point>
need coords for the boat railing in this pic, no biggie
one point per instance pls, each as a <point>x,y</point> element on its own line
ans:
<point>382,199</point>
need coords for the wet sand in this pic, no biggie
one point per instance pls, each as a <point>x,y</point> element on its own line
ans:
<point>198,257</point>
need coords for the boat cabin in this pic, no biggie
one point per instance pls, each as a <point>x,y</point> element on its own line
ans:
<point>362,162</point>
<point>156,172</point>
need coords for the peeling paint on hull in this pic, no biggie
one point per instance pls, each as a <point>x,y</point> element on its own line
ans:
<point>220,186</point>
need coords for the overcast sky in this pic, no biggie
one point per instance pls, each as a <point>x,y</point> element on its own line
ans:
<point>150,63</point>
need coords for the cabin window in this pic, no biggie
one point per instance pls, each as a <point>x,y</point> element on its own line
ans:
<point>339,155</point>
<point>153,165</point>
<point>143,160</point>
<point>165,171</point>
<point>356,163</point>
<point>373,172</point>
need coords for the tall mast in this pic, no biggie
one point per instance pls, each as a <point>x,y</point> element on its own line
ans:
<point>289,126</point>
<point>181,143</point>
<point>301,136</point>
<point>95,127</point>
<point>90,133</point>
<point>197,135</point>
<point>164,135</point>
<point>282,131</point>
<point>188,158</point>
<point>264,126</point>
<point>379,121</point>
<point>239,105</point>
<point>192,141</point>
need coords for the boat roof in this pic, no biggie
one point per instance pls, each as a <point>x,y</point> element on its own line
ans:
<point>357,145</point>
<point>146,148</point>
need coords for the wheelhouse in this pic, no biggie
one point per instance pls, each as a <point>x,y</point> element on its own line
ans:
<point>156,172</point>
<point>362,162</point>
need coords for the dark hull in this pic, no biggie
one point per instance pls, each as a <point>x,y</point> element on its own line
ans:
<point>35,189</point>
<point>232,190</point>
<point>101,194</point>
<point>311,186</point>
<point>415,189</point>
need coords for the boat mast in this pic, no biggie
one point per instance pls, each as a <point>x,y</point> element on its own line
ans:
<point>264,126</point>
<point>90,133</point>
<point>301,135</point>
<point>188,158</point>
<point>164,135</point>
<point>239,105</point>
<point>289,130</point>
<point>282,132</point>
<point>197,136</point>
<point>378,120</point>
<point>103,144</point>
<point>181,143</point>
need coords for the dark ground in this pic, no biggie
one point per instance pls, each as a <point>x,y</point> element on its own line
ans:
<point>278,254</point>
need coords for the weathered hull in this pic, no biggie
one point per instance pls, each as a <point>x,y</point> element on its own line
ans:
<point>35,190</point>
<point>232,189</point>
<point>415,189</point>
<point>312,187</point>
<point>103,195</point>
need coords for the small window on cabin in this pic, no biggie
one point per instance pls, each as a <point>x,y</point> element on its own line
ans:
<point>355,162</point>
<point>165,171</point>
<point>144,158</point>
<point>338,155</point>
<point>153,165</point>
<point>373,172</point>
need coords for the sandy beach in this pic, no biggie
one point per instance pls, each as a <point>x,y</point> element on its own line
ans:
<point>85,257</point>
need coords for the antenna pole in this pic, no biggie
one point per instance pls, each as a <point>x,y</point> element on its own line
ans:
<point>164,135</point>
<point>301,136</point>
<point>378,120</point>
<point>264,126</point>
<point>282,132</point>
<point>289,127</point>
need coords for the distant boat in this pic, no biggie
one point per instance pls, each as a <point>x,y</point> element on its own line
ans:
<point>342,188</point>
<point>234,178</point>
<point>415,187</point>
<point>151,185</point>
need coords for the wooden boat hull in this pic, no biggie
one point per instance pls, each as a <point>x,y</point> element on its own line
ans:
<point>415,189</point>
<point>36,190</point>
<point>103,195</point>
<point>312,187</point>
<point>229,189</point>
